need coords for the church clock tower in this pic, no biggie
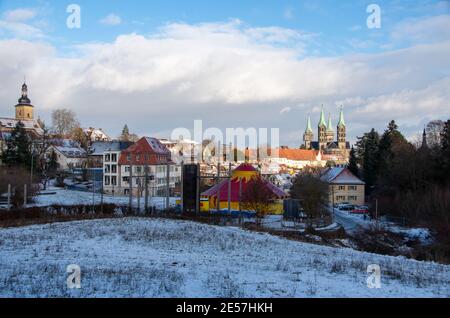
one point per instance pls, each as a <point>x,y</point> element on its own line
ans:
<point>24,109</point>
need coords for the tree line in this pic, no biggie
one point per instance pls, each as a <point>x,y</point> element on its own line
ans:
<point>410,180</point>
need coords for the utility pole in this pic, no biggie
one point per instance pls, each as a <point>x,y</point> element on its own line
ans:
<point>9,197</point>
<point>376,213</point>
<point>240,199</point>
<point>182,187</point>
<point>146,188</point>
<point>25,195</point>
<point>130,181</point>
<point>197,193</point>
<point>138,181</point>
<point>167,185</point>
<point>32,163</point>
<point>229,187</point>
<point>93,191</point>
<point>218,187</point>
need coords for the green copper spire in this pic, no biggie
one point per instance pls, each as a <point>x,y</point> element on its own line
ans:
<point>341,118</point>
<point>330,124</point>
<point>308,126</point>
<point>322,122</point>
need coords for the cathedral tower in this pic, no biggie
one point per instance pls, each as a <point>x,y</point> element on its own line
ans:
<point>322,131</point>
<point>330,131</point>
<point>342,131</point>
<point>24,109</point>
<point>308,135</point>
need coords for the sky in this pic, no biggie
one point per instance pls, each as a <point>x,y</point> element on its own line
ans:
<point>160,65</point>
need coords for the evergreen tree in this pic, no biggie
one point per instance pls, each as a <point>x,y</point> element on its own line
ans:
<point>125,136</point>
<point>366,154</point>
<point>353,163</point>
<point>445,151</point>
<point>392,138</point>
<point>18,147</point>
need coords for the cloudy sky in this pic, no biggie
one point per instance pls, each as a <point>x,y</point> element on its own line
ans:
<point>159,65</point>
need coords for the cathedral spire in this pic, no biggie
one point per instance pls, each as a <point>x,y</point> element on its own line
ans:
<point>308,125</point>
<point>330,124</point>
<point>341,118</point>
<point>322,122</point>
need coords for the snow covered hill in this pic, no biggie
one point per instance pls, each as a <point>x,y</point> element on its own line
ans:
<point>164,258</point>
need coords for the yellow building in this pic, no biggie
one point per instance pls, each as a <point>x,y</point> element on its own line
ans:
<point>344,186</point>
<point>240,179</point>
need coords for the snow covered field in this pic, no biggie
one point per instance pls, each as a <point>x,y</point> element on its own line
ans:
<point>135,257</point>
<point>71,197</point>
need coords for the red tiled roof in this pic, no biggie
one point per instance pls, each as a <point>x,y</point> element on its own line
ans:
<point>298,154</point>
<point>147,151</point>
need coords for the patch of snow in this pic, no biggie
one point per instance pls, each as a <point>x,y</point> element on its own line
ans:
<point>137,257</point>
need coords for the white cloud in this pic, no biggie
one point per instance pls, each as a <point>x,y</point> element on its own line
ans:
<point>285,110</point>
<point>20,15</point>
<point>111,19</point>
<point>229,75</point>
<point>430,29</point>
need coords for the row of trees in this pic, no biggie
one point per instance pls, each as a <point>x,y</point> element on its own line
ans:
<point>410,180</point>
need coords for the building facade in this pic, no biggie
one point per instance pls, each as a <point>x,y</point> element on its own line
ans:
<point>126,170</point>
<point>344,187</point>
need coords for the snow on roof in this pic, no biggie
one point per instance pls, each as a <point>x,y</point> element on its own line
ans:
<point>28,124</point>
<point>156,145</point>
<point>340,175</point>
<point>99,147</point>
<point>96,134</point>
<point>71,152</point>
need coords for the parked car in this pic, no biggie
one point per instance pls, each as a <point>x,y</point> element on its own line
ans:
<point>346,207</point>
<point>361,210</point>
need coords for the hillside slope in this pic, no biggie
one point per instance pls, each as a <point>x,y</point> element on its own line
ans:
<point>164,258</point>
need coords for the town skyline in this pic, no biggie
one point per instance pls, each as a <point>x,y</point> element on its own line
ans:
<point>246,65</point>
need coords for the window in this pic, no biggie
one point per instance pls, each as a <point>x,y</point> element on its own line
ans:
<point>138,157</point>
<point>107,180</point>
<point>114,168</point>
<point>126,179</point>
<point>107,158</point>
<point>127,169</point>
<point>126,191</point>
<point>129,157</point>
<point>352,198</point>
<point>341,188</point>
<point>114,181</point>
<point>114,157</point>
<point>138,169</point>
<point>340,198</point>
<point>107,168</point>
<point>352,188</point>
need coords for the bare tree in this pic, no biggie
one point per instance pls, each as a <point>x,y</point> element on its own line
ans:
<point>312,191</point>
<point>64,122</point>
<point>257,197</point>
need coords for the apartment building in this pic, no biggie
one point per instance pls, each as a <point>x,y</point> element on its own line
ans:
<point>126,169</point>
<point>344,186</point>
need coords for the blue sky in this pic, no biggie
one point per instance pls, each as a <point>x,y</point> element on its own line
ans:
<point>259,63</point>
<point>340,23</point>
